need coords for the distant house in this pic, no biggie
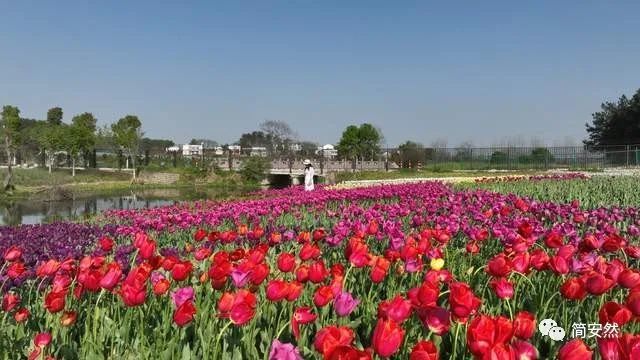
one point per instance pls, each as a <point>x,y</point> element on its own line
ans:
<point>173,149</point>
<point>258,151</point>
<point>234,149</point>
<point>328,151</point>
<point>296,147</point>
<point>192,150</point>
<point>218,150</point>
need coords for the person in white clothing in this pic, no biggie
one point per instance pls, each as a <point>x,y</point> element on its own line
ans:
<point>308,175</point>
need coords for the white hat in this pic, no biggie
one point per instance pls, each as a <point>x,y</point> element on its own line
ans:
<point>306,162</point>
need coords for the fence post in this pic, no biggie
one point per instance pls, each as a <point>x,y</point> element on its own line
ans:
<point>626,151</point>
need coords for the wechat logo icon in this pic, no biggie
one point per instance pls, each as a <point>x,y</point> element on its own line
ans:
<point>550,328</point>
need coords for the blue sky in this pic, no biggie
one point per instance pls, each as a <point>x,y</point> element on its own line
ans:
<point>460,70</point>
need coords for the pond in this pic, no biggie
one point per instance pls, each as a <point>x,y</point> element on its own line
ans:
<point>83,206</point>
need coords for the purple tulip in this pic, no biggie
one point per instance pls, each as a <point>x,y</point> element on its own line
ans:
<point>283,351</point>
<point>344,304</point>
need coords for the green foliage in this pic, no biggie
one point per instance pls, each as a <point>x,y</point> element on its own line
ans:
<point>361,142</point>
<point>256,139</point>
<point>541,155</point>
<point>126,132</point>
<point>255,168</point>
<point>409,155</point>
<point>11,126</point>
<point>54,116</point>
<point>498,158</point>
<point>617,123</point>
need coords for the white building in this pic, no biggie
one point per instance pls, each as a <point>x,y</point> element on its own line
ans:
<point>258,151</point>
<point>173,149</point>
<point>218,150</point>
<point>328,151</point>
<point>234,149</point>
<point>192,150</point>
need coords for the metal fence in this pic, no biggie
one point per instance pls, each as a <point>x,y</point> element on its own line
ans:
<point>461,158</point>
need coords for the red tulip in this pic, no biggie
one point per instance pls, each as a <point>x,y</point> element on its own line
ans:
<point>21,315</point>
<point>47,268</point>
<point>54,301</point>
<point>379,269</point>
<point>68,318</point>
<point>629,279</point>
<point>15,270</point>
<point>317,272</point>
<point>435,318</point>
<point>575,350</point>
<point>559,265</point>
<point>539,259</point>
<point>598,284</point>
<point>462,300</point>
<point>294,290</point>
<point>286,262</point>
<point>133,294</point>
<point>200,235</point>
<point>424,296</point>
<point>277,290</point>
<point>633,303</point>
<point>202,253</point>
<point>524,325</point>
<point>499,266</point>
<point>553,240</point>
<point>612,312</point>
<point>12,254</point>
<point>309,251</point>
<point>181,270</point>
<point>112,276</point>
<point>502,287</point>
<point>10,301</point>
<point>301,315</point>
<point>424,350</point>
<point>525,350</point>
<point>147,248</point>
<point>322,296</point>
<point>259,273</point>
<point>184,313</point>
<point>239,307</point>
<point>397,309</point>
<point>302,273</point>
<point>573,289</point>
<point>357,252</point>
<point>387,337</point>
<point>106,243</point>
<point>348,353</point>
<point>330,337</point>
<point>42,339</point>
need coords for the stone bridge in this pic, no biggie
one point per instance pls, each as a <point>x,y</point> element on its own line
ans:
<point>295,169</point>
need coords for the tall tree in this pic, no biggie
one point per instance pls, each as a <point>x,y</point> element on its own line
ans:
<point>54,116</point>
<point>81,137</point>
<point>616,123</point>
<point>280,132</point>
<point>11,132</point>
<point>127,134</point>
<point>256,139</point>
<point>361,142</point>
<point>349,144</point>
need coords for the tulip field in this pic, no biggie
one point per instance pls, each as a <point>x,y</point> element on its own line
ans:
<point>415,271</point>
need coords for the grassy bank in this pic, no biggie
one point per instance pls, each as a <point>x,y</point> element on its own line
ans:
<point>595,192</point>
<point>39,184</point>
<point>424,173</point>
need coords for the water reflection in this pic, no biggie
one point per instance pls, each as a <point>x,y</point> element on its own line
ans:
<point>81,207</point>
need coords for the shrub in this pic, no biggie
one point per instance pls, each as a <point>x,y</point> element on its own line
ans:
<point>255,168</point>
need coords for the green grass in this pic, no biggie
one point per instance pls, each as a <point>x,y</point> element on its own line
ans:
<point>42,177</point>
<point>424,173</point>
<point>592,193</point>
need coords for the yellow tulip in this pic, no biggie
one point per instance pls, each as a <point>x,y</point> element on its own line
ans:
<point>437,264</point>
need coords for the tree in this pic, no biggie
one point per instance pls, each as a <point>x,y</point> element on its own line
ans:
<point>616,123</point>
<point>206,143</point>
<point>80,137</point>
<point>280,132</point>
<point>127,134</point>
<point>255,168</point>
<point>52,138</point>
<point>11,131</point>
<point>409,154</point>
<point>54,116</point>
<point>256,139</point>
<point>349,144</point>
<point>361,142</point>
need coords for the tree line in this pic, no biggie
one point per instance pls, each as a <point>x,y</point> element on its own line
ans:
<point>52,137</point>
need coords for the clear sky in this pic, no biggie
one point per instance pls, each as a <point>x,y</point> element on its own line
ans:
<point>478,71</point>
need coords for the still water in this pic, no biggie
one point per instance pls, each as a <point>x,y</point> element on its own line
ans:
<point>84,206</point>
